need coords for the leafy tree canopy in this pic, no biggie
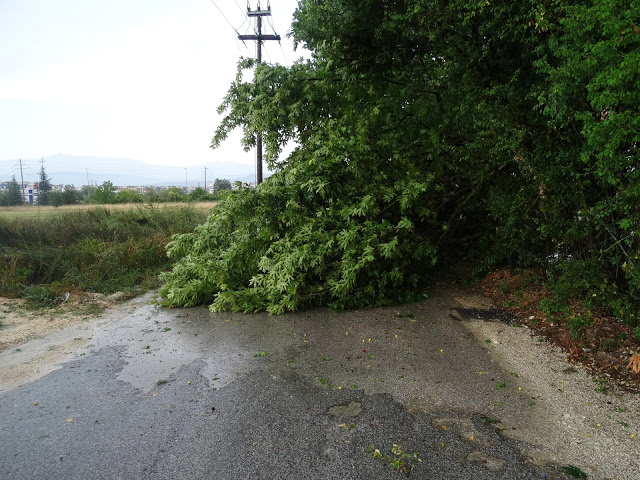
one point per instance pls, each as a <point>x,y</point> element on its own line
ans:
<point>12,196</point>
<point>198,194</point>
<point>104,194</point>
<point>56,198</point>
<point>70,196</point>
<point>425,130</point>
<point>175,194</point>
<point>44,187</point>
<point>221,184</point>
<point>129,196</point>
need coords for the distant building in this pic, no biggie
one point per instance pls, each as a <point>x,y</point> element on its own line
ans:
<point>29,190</point>
<point>29,193</point>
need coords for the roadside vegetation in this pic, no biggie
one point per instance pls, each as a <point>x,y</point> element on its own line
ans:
<point>103,250</point>
<point>108,194</point>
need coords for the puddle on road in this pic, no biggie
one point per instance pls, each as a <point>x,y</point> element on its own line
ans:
<point>160,342</point>
<point>353,409</point>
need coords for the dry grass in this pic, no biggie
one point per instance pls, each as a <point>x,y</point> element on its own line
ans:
<point>36,211</point>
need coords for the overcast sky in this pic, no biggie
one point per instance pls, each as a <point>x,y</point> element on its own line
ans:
<point>138,79</point>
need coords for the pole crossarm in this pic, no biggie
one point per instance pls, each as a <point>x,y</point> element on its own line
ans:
<point>259,37</point>
<point>259,13</point>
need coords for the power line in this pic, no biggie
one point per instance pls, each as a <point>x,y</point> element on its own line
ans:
<point>225,17</point>
<point>246,18</point>
<point>243,44</point>
<point>240,8</point>
<point>284,55</point>
<point>267,52</point>
<point>231,25</point>
<point>270,22</point>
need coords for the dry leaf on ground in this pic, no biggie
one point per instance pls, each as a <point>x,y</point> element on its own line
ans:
<point>634,363</point>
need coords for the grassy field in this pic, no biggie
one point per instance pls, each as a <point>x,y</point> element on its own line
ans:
<point>47,251</point>
<point>35,211</point>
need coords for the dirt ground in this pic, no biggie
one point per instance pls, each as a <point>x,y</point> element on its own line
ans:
<point>70,324</point>
<point>21,324</point>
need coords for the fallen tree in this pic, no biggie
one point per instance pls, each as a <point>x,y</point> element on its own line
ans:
<point>507,134</point>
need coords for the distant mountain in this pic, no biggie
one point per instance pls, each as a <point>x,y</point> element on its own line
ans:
<point>75,170</point>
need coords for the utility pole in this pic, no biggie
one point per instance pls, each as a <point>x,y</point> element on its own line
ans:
<point>88,186</point>
<point>22,180</point>
<point>259,13</point>
<point>186,183</point>
<point>41,170</point>
<point>205,180</point>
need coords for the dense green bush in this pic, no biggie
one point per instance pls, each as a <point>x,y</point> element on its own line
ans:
<point>506,134</point>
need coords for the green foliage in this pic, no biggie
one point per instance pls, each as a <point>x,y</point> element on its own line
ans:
<point>44,187</point>
<point>12,196</point>
<point>174,194</point>
<point>95,250</point>
<point>505,132</point>
<point>398,459</point>
<point>574,471</point>
<point>198,194</point>
<point>128,196</point>
<point>13,273</point>
<point>220,185</point>
<point>55,198</point>
<point>281,248</point>
<point>578,325</point>
<point>39,296</point>
<point>104,194</point>
<point>70,195</point>
<point>155,195</point>
<point>636,333</point>
<point>325,382</point>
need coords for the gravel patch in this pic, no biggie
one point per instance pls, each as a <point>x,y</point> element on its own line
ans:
<point>576,422</point>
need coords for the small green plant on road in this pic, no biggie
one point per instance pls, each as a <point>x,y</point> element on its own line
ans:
<point>398,459</point>
<point>325,382</point>
<point>575,472</point>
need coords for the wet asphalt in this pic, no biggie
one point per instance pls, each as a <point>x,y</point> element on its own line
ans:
<point>185,393</point>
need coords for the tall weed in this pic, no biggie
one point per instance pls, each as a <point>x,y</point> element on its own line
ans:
<point>96,250</point>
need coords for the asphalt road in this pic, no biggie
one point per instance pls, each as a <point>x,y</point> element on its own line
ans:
<point>185,393</point>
